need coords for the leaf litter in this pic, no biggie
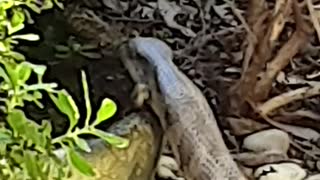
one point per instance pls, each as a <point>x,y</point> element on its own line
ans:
<point>258,59</point>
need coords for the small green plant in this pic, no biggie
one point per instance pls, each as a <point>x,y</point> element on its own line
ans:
<point>13,18</point>
<point>27,149</point>
<point>66,105</point>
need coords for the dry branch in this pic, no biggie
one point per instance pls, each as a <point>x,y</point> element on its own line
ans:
<point>284,55</point>
<point>256,8</point>
<point>314,17</point>
<point>268,32</point>
<point>288,97</point>
<point>281,60</point>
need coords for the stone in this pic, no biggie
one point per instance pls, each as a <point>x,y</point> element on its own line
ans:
<point>273,140</point>
<point>283,171</point>
<point>314,177</point>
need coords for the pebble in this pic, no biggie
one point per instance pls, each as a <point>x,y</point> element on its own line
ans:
<point>318,165</point>
<point>310,164</point>
<point>273,140</point>
<point>282,171</point>
<point>314,177</point>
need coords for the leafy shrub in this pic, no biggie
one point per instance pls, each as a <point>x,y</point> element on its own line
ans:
<point>27,149</point>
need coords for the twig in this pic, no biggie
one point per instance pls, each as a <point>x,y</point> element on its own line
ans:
<point>314,17</point>
<point>260,53</point>
<point>288,97</point>
<point>284,55</point>
<point>282,11</point>
<point>251,37</point>
<point>303,113</point>
<point>312,61</point>
<point>235,11</point>
<point>251,44</point>
<point>256,8</point>
<point>279,62</point>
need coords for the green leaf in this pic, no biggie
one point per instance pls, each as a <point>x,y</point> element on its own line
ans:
<point>16,22</point>
<point>27,129</point>
<point>59,4</point>
<point>24,72</point>
<point>79,163</point>
<point>32,166</point>
<point>5,139</point>
<point>6,5</point>
<point>11,70</point>
<point>4,75</point>
<point>46,128</point>
<point>62,48</point>
<point>37,95</point>
<point>86,97</point>
<point>112,139</point>
<point>29,19</point>
<point>47,4</point>
<point>107,109</point>
<point>82,144</point>
<point>66,105</point>
<point>17,121</point>
<point>16,55</point>
<point>28,97</point>
<point>16,153</point>
<point>34,7</point>
<point>38,69</point>
<point>62,55</point>
<point>29,37</point>
<point>3,47</point>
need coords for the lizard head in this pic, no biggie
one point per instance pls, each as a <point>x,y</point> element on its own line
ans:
<point>152,49</point>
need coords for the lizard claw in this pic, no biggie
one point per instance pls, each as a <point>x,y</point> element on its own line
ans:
<point>140,94</point>
<point>166,168</point>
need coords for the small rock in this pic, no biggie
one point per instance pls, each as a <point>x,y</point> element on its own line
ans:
<point>260,158</point>
<point>283,171</point>
<point>268,140</point>
<point>192,72</point>
<point>310,164</point>
<point>318,165</point>
<point>314,177</point>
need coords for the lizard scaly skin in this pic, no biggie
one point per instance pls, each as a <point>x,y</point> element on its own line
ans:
<point>192,125</point>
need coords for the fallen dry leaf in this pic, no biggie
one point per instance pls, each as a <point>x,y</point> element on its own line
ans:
<point>169,10</point>
<point>115,5</point>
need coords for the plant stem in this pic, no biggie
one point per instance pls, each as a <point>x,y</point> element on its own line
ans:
<point>77,132</point>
